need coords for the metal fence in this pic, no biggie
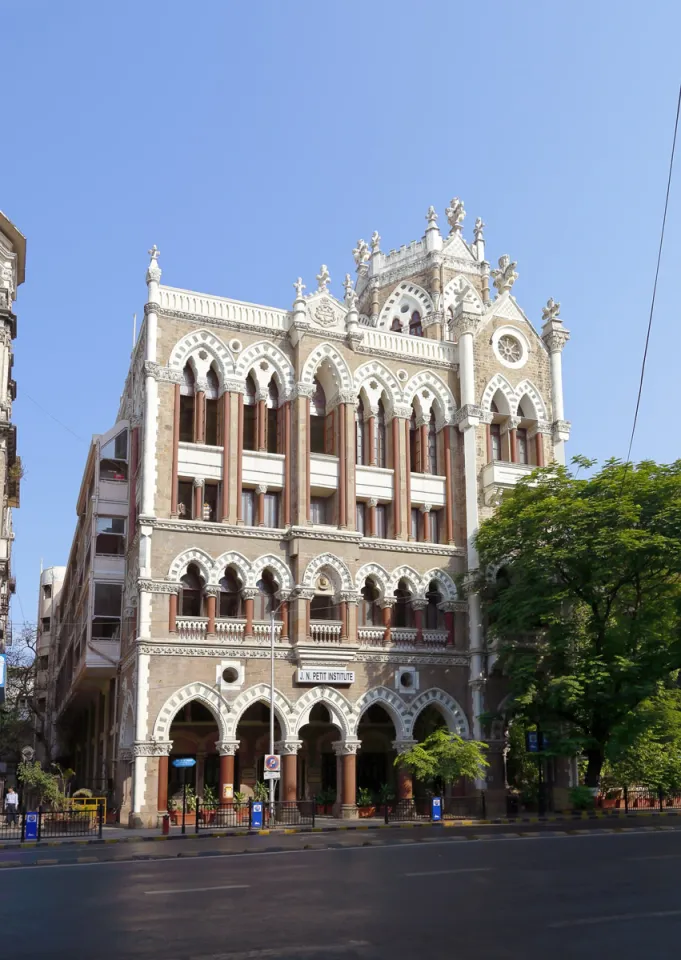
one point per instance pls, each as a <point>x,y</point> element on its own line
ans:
<point>54,824</point>
<point>224,816</point>
<point>642,798</point>
<point>453,808</point>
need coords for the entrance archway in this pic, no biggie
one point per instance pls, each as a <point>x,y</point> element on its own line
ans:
<point>194,731</point>
<point>253,734</point>
<point>375,760</point>
<point>318,777</point>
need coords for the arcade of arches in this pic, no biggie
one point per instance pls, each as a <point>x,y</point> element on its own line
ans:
<point>316,765</point>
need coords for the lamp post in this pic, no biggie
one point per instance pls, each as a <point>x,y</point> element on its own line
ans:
<point>272,782</point>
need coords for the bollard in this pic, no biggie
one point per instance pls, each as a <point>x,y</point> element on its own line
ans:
<point>165,824</point>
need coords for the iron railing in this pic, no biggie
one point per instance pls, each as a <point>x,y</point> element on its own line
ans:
<point>453,808</point>
<point>228,815</point>
<point>54,824</point>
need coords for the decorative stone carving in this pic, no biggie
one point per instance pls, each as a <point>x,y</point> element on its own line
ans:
<point>152,748</point>
<point>402,746</point>
<point>324,313</point>
<point>375,242</point>
<point>227,748</point>
<point>455,214</point>
<point>505,276</point>
<point>346,747</point>
<point>261,488</point>
<point>153,270</point>
<point>478,228</point>
<point>550,311</point>
<point>510,423</point>
<point>323,279</point>
<point>426,507</point>
<point>361,253</point>
<point>561,429</point>
<point>288,748</point>
<point>555,338</point>
<point>299,287</point>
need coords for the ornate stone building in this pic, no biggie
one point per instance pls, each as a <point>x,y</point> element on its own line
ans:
<point>331,462</point>
<point>12,273</point>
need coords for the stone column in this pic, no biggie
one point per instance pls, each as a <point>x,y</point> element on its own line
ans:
<point>536,433</point>
<point>397,479</point>
<point>260,490</point>
<point>225,455</point>
<point>162,787</point>
<point>408,471</point>
<point>510,426</point>
<point>227,750</point>
<point>261,422</point>
<point>449,485</point>
<point>176,451</point>
<point>198,498</point>
<point>172,612</point>
<point>488,442</point>
<point>387,605</point>
<point>211,593</point>
<point>419,606</point>
<point>288,463</point>
<point>301,439</point>
<point>347,751</point>
<point>248,595</point>
<point>240,459</point>
<point>422,424</point>
<point>283,610</point>
<point>150,386</point>
<point>371,430</point>
<point>372,503</point>
<point>449,622</point>
<point>555,336</point>
<point>342,468</point>
<point>288,750</point>
<point>425,511</point>
<point>302,600</point>
<point>200,413</point>
<point>405,782</point>
<point>344,620</point>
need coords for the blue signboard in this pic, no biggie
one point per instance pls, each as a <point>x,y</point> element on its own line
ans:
<point>31,832</point>
<point>532,741</point>
<point>184,762</point>
<point>436,809</point>
<point>256,815</point>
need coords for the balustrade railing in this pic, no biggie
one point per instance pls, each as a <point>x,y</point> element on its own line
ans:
<point>325,631</point>
<point>261,630</point>
<point>192,629</point>
<point>370,636</point>
<point>230,631</point>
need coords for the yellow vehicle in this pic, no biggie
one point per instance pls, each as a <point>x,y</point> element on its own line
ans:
<point>87,805</point>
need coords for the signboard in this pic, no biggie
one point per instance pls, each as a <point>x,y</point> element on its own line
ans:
<point>436,809</point>
<point>3,662</point>
<point>184,762</point>
<point>272,766</point>
<point>31,832</point>
<point>535,742</point>
<point>227,791</point>
<point>325,675</point>
<point>256,815</point>
<point>272,775</point>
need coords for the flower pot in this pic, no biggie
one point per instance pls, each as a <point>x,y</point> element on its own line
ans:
<point>320,808</point>
<point>366,812</point>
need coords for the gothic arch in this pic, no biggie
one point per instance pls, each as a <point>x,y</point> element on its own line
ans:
<point>499,383</point>
<point>410,575</point>
<point>375,371</point>
<point>446,704</point>
<point>378,574</point>
<point>415,295</point>
<point>392,703</point>
<point>426,385</point>
<point>457,289</point>
<point>278,364</point>
<point>233,559</point>
<point>281,572</point>
<point>260,693</point>
<point>126,737</point>
<point>195,555</point>
<point>447,585</point>
<point>328,354</point>
<point>338,706</point>
<point>527,389</point>
<point>333,563</point>
<point>206,695</point>
<point>192,343</point>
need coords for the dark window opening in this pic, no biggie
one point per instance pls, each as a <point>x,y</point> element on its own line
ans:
<point>185,499</point>
<point>191,595</point>
<point>250,415</point>
<point>495,437</point>
<point>271,506</point>
<point>415,327</point>
<point>322,607</point>
<point>369,610</point>
<point>248,507</point>
<point>265,601</point>
<point>211,496</point>
<point>230,602</point>
<point>521,445</point>
<point>403,612</point>
<point>361,517</point>
<point>110,539</point>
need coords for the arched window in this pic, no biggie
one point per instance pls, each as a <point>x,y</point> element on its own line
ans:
<point>191,595</point>
<point>187,390</point>
<point>231,604</point>
<point>521,445</point>
<point>379,436</point>
<point>318,419</point>
<point>396,325</point>
<point>274,443</point>
<point>415,327</point>
<point>250,415</point>
<point>414,444</point>
<point>432,444</point>
<point>359,432</point>
<point>322,607</point>
<point>435,618</point>
<point>403,614</point>
<point>369,610</point>
<point>212,418</point>
<point>265,601</point>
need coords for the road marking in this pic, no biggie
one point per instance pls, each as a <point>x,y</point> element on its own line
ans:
<point>660,856</point>
<point>615,918</point>
<point>233,886</point>
<point>438,873</point>
<point>273,952</point>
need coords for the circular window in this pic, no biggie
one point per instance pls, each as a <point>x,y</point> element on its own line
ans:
<point>510,349</point>
<point>404,308</point>
<point>235,346</point>
<point>407,679</point>
<point>230,675</point>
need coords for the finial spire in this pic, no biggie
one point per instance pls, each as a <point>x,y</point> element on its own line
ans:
<point>361,253</point>
<point>550,311</point>
<point>299,287</point>
<point>375,242</point>
<point>506,275</point>
<point>153,270</point>
<point>455,215</point>
<point>323,279</point>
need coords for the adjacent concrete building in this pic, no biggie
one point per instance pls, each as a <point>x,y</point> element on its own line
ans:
<point>330,462</point>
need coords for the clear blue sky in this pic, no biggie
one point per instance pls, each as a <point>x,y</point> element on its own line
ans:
<point>252,141</point>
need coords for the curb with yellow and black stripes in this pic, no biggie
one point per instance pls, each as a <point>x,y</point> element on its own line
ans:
<point>568,817</point>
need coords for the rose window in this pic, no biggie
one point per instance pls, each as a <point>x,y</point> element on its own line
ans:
<point>509,349</point>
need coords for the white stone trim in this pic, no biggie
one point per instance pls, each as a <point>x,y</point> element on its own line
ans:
<point>260,693</point>
<point>186,349</point>
<point>452,712</point>
<point>196,690</point>
<point>412,293</point>
<point>279,366</point>
<point>392,703</point>
<point>317,564</point>
<point>339,707</point>
<point>327,353</point>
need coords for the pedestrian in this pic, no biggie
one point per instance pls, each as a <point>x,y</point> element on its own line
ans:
<point>11,806</point>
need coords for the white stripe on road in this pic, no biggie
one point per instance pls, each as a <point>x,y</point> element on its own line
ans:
<point>273,952</point>
<point>437,873</point>
<point>615,918</point>
<point>233,886</point>
<point>660,856</point>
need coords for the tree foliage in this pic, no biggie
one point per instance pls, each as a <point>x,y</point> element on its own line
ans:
<point>586,602</point>
<point>20,722</point>
<point>646,751</point>
<point>445,757</point>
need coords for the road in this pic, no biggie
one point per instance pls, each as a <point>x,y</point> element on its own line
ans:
<point>434,895</point>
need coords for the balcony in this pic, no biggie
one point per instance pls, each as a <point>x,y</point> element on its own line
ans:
<point>428,488</point>
<point>500,475</point>
<point>199,460</point>
<point>323,473</point>
<point>374,482</point>
<point>370,636</point>
<point>410,348</point>
<point>227,630</point>
<point>325,631</point>
<point>265,468</point>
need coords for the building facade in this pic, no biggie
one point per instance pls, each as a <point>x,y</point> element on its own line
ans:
<point>12,274</point>
<point>329,463</point>
<point>49,591</point>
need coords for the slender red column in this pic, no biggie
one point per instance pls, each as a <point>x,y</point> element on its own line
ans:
<point>488,441</point>
<point>198,502</point>
<point>225,455</point>
<point>248,610</point>
<point>284,618</point>
<point>387,624</point>
<point>539,442</point>
<point>172,613</point>
<point>349,762</point>
<point>240,461</point>
<point>288,472</point>
<point>261,425</point>
<point>342,463</point>
<point>162,801</point>
<point>449,623</point>
<point>176,454</point>
<point>211,603</point>
<point>424,448</point>
<point>418,620</point>
<point>449,486</point>
<point>261,505</point>
<point>513,445</point>
<point>397,479</point>
<point>371,423</point>
<point>426,526</point>
<point>344,620</point>
<point>289,763</point>
<point>405,783</point>
<point>372,518</point>
<point>200,431</point>
<point>226,775</point>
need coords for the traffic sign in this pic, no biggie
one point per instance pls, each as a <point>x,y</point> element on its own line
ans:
<point>272,774</point>
<point>272,762</point>
<point>436,809</point>
<point>31,828</point>
<point>184,762</point>
<point>256,815</point>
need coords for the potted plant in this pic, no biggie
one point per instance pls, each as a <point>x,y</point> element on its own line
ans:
<point>261,793</point>
<point>329,800</point>
<point>241,806</point>
<point>365,803</point>
<point>319,801</point>
<point>386,797</point>
<point>209,803</point>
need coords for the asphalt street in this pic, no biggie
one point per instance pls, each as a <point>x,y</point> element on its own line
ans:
<point>431,896</point>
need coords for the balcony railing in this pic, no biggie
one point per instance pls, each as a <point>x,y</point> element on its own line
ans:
<point>325,631</point>
<point>370,636</point>
<point>230,631</point>
<point>192,629</point>
<point>227,630</point>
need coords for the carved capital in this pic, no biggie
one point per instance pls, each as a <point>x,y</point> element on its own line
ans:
<point>249,593</point>
<point>541,426</point>
<point>301,593</point>
<point>211,590</point>
<point>234,386</point>
<point>555,336</point>
<point>288,748</point>
<point>561,429</point>
<point>402,746</point>
<point>467,416</point>
<point>388,602</point>
<point>199,482</point>
<point>303,390</point>
<point>227,748</point>
<point>425,507</point>
<point>510,423</point>
<point>419,604</point>
<point>372,502</point>
<point>152,748</point>
<point>344,748</point>
<point>349,596</point>
<point>261,488</point>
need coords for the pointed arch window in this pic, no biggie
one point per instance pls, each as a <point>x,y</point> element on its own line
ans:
<point>403,614</point>
<point>274,442</point>
<point>322,607</point>
<point>191,594</point>
<point>250,415</point>
<point>432,444</point>
<point>359,432</point>
<point>369,610</point>
<point>396,325</point>
<point>380,436</point>
<point>187,391</point>
<point>231,603</point>
<point>212,407</point>
<point>265,601</point>
<point>415,325</point>
<point>435,618</point>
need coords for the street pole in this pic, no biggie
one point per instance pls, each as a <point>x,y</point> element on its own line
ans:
<point>272,709</point>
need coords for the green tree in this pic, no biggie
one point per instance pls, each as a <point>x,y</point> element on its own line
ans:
<point>586,603</point>
<point>647,750</point>
<point>446,757</point>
